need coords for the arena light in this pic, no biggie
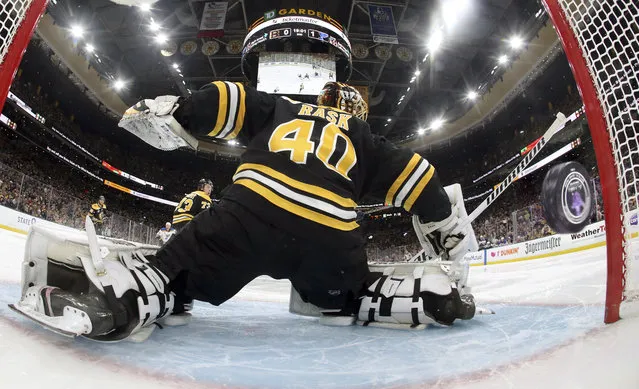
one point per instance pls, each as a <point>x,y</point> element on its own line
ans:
<point>516,42</point>
<point>176,66</point>
<point>153,26</point>
<point>389,120</point>
<point>119,84</point>
<point>417,72</point>
<point>145,7</point>
<point>89,48</point>
<point>436,124</point>
<point>472,95</point>
<point>435,41</point>
<point>453,10</point>
<point>77,31</point>
<point>161,38</point>
<point>421,131</point>
<point>503,59</point>
<point>233,142</point>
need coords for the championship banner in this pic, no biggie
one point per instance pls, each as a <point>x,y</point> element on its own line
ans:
<point>213,18</point>
<point>382,24</point>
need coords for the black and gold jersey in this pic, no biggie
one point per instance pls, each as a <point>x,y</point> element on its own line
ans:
<point>307,166</point>
<point>192,204</point>
<point>97,212</point>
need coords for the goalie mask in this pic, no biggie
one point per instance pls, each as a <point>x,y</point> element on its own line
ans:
<point>344,97</point>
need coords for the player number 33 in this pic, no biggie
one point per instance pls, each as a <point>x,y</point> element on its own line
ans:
<point>295,137</point>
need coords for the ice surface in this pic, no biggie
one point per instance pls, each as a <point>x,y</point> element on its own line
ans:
<point>547,331</point>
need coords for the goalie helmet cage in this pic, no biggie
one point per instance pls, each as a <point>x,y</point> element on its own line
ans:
<point>18,19</point>
<point>601,41</point>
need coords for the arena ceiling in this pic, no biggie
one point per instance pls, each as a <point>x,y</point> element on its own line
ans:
<point>446,49</point>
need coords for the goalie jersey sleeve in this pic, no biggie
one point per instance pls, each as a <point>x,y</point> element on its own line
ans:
<point>228,110</point>
<point>306,166</point>
<point>403,179</point>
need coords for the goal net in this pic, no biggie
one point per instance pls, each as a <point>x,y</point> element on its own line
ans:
<point>601,41</point>
<point>18,19</point>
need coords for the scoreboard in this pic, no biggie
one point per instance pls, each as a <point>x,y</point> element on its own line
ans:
<point>296,34</point>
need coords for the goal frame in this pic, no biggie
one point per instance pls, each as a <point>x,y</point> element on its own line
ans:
<point>613,212</point>
<point>9,66</point>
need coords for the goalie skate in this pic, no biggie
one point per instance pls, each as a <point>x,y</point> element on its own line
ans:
<point>46,322</point>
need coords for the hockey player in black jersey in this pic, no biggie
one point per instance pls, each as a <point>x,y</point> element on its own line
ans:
<point>192,204</point>
<point>97,213</point>
<point>290,213</point>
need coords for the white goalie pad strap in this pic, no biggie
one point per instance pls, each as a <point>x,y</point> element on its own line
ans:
<point>133,272</point>
<point>397,299</point>
<point>67,247</point>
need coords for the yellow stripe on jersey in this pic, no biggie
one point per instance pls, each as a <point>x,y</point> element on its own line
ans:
<point>402,177</point>
<point>184,215</point>
<point>312,189</point>
<point>408,204</point>
<point>180,221</point>
<point>182,218</point>
<point>293,208</point>
<point>240,115</point>
<point>221,109</point>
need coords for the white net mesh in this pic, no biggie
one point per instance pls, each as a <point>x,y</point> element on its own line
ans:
<point>608,34</point>
<point>12,14</point>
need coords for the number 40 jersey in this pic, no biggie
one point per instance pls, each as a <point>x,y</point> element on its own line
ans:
<point>307,166</point>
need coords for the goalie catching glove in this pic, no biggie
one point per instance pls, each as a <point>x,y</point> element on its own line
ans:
<point>152,121</point>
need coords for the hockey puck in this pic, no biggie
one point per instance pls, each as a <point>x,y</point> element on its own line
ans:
<point>567,197</point>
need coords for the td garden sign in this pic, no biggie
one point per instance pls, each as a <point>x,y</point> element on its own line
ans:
<point>297,12</point>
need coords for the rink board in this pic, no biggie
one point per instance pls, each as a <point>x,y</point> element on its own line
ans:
<point>256,344</point>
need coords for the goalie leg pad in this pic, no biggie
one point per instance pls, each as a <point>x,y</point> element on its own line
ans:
<point>413,300</point>
<point>62,289</point>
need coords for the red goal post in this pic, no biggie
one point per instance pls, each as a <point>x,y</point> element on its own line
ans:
<point>18,19</point>
<point>601,41</point>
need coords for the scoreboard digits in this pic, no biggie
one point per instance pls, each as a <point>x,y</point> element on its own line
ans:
<point>280,33</point>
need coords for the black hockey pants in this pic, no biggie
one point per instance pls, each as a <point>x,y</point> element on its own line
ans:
<point>226,246</point>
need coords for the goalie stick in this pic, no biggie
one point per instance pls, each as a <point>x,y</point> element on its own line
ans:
<point>554,128</point>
